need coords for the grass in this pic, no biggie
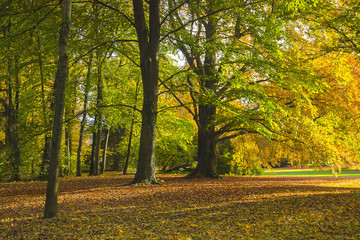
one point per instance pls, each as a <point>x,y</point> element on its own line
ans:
<point>310,172</point>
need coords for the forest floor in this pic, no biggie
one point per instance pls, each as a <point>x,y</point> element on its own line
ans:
<point>104,207</point>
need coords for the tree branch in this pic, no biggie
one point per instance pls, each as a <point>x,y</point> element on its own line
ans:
<point>116,10</point>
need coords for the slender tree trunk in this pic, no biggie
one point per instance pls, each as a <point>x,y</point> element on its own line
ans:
<point>103,164</point>
<point>99,120</point>
<point>83,120</point>
<point>97,147</point>
<point>78,156</point>
<point>149,43</point>
<point>95,150</point>
<point>131,132</point>
<point>12,132</point>
<point>51,206</point>
<point>47,139</point>
<point>68,139</point>
<point>92,157</point>
<point>126,165</point>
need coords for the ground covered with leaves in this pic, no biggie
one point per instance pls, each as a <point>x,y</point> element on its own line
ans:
<point>179,208</point>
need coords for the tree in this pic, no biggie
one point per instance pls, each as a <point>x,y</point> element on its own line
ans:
<point>236,53</point>
<point>149,42</point>
<point>51,207</point>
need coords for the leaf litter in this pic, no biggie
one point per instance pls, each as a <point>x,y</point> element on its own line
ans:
<point>106,207</point>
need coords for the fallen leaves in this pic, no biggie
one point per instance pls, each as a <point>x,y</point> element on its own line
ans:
<point>232,207</point>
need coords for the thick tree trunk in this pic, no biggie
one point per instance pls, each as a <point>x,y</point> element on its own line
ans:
<point>207,152</point>
<point>83,120</point>
<point>149,43</point>
<point>207,138</point>
<point>51,206</point>
<point>116,166</point>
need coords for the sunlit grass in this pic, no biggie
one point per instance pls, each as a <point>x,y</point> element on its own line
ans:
<point>311,172</point>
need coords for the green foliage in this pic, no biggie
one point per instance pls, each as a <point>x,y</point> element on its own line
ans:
<point>174,146</point>
<point>280,71</point>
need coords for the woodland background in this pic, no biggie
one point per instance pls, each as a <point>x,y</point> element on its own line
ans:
<point>242,85</point>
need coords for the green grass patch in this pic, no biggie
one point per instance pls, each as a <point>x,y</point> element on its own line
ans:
<point>311,172</point>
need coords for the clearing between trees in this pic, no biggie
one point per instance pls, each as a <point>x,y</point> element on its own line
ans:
<point>181,208</point>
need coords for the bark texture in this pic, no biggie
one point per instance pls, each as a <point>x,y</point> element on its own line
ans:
<point>149,42</point>
<point>207,137</point>
<point>51,206</point>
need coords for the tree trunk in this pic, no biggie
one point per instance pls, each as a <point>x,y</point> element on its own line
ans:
<point>11,107</point>
<point>83,120</point>
<point>116,166</point>
<point>103,164</point>
<point>131,132</point>
<point>207,138</point>
<point>126,165</point>
<point>51,206</point>
<point>95,151</point>
<point>97,147</point>
<point>92,157</point>
<point>207,151</point>
<point>47,139</point>
<point>12,134</point>
<point>149,43</point>
<point>99,120</point>
<point>68,139</point>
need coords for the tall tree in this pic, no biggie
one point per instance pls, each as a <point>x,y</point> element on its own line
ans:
<point>149,43</point>
<point>11,109</point>
<point>51,206</point>
<point>235,52</point>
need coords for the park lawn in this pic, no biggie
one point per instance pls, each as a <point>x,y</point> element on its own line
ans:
<point>266,207</point>
<point>310,172</point>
